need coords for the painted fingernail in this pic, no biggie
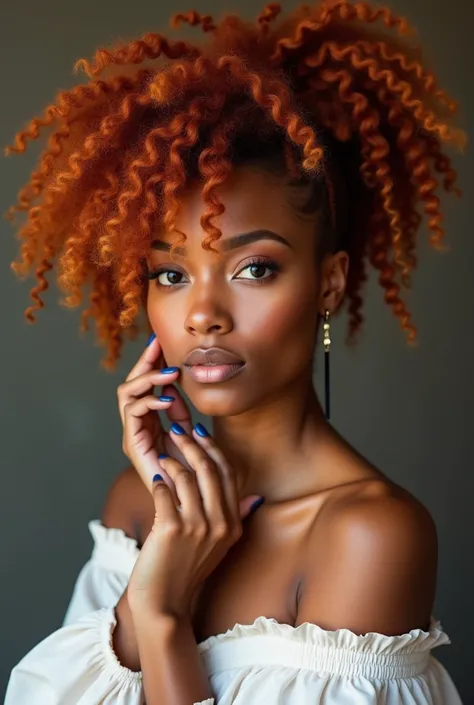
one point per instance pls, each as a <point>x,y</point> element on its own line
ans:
<point>161,456</point>
<point>169,370</point>
<point>200,430</point>
<point>157,478</point>
<point>176,428</point>
<point>151,339</point>
<point>258,503</point>
<point>165,398</point>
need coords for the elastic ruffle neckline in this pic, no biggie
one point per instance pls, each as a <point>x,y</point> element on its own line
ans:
<point>416,640</point>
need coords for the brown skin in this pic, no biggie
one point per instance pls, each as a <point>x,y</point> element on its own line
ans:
<point>336,543</point>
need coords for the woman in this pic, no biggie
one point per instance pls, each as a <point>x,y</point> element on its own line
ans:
<point>236,190</point>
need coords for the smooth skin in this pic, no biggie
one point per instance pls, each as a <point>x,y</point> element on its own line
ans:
<point>336,543</point>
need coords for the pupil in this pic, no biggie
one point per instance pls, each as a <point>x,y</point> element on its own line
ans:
<point>173,274</point>
<point>257,266</point>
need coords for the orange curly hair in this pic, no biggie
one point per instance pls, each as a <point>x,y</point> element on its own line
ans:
<point>348,102</point>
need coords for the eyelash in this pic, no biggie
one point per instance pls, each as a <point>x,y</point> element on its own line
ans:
<point>261,261</point>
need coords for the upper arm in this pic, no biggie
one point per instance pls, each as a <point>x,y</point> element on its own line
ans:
<point>127,505</point>
<point>372,568</point>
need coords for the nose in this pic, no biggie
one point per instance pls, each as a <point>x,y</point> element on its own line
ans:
<point>208,314</point>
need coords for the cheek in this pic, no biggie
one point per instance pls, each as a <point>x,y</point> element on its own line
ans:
<point>286,323</point>
<point>161,316</point>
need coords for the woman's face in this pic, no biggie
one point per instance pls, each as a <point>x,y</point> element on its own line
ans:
<point>260,302</point>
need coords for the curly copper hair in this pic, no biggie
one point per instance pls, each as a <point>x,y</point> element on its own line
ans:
<point>349,100</point>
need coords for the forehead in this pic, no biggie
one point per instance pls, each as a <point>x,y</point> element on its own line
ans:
<point>252,198</point>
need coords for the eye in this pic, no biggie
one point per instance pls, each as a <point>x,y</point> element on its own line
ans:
<point>257,267</point>
<point>168,280</point>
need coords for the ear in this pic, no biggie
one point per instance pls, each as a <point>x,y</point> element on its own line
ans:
<point>334,270</point>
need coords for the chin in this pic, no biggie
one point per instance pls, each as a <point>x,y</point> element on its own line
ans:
<point>219,402</point>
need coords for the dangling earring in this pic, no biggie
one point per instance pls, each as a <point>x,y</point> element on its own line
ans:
<point>327,347</point>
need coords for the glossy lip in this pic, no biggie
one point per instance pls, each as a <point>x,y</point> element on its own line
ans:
<point>212,356</point>
<point>211,374</point>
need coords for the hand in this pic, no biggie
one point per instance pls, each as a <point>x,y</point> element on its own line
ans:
<point>186,544</point>
<point>144,437</point>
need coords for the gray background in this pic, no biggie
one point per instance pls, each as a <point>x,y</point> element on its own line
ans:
<point>408,410</point>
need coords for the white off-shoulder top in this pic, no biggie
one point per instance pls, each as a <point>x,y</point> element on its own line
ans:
<point>264,663</point>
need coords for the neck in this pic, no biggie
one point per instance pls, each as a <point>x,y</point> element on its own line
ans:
<point>272,447</point>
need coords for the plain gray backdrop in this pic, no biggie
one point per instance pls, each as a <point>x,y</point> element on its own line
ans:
<point>408,410</point>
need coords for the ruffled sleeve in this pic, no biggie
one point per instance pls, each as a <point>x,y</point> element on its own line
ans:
<point>77,664</point>
<point>105,576</point>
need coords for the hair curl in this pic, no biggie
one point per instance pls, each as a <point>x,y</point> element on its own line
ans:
<point>350,103</point>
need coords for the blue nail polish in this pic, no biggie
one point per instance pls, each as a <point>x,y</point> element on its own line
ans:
<point>157,478</point>
<point>200,430</point>
<point>176,428</point>
<point>161,456</point>
<point>151,339</point>
<point>258,503</point>
<point>169,370</point>
<point>165,398</point>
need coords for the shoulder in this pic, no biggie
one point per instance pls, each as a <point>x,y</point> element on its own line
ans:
<point>127,505</point>
<point>372,562</point>
<point>380,513</point>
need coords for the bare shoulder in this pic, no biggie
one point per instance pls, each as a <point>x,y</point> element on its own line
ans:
<point>380,503</point>
<point>373,561</point>
<point>127,505</point>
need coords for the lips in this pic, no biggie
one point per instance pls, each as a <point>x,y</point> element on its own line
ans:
<point>211,374</point>
<point>212,356</point>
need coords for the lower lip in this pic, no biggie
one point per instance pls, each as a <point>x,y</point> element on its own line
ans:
<point>208,374</point>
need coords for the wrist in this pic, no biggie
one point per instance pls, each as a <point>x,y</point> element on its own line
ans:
<point>143,614</point>
<point>143,610</point>
<point>161,629</point>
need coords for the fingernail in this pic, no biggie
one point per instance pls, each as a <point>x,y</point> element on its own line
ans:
<point>151,339</point>
<point>157,478</point>
<point>176,428</point>
<point>200,430</point>
<point>165,398</point>
<point>257,504</point>
<point>161,456</point>
<point>169,370</point>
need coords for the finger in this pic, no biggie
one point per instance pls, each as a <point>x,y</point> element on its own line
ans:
<point>167,478</point>
<point>208,476</point>
<point>147,359</point>
<point>165,507</point>
<point>128,391</point>
<point>239,509</point>
<point>138,442</point>
<point>179,411</point>
<point>135,410</point>
<point>226,471</point>
<point>187,490</point>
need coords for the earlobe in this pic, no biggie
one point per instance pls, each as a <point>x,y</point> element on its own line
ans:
<point>328,304</point>
<point>335,272</point>
<point>332,296</point>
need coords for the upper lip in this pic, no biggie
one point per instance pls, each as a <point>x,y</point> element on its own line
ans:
<point>214,356</point>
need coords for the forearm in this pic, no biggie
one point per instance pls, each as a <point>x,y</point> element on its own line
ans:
<point>123,638</point>
<point>172,669</point>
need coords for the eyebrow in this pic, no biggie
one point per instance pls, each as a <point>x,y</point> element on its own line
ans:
<point>230,243</point>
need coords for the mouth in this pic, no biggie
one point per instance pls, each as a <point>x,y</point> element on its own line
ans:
<point>212,373</point>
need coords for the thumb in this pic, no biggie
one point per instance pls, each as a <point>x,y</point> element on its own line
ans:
<point>250,504</point>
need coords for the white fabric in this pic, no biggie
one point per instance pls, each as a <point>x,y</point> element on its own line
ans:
<point>264,663</point>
